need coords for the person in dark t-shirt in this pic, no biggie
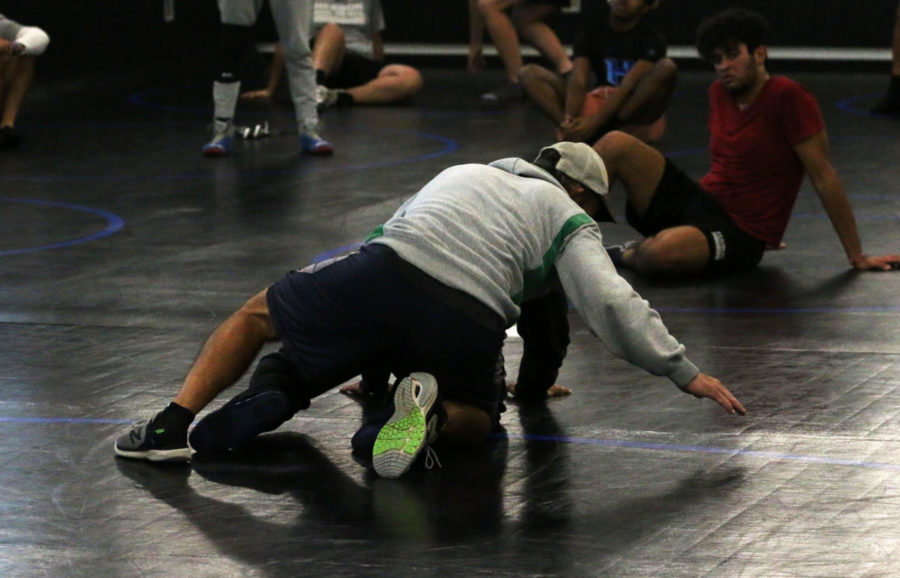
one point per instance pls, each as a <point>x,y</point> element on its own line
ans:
<point>634,80</point>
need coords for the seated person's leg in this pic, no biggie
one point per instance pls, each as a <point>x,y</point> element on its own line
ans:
<point>686,230</point>
<point>329,47</point>
<point>679,250</point>
<point>530,21</point>
<point>394,83</point>
<point>652,94</point>
<point>637,165</point>
<point>546,89</point>
<point>503,34</point>
<point>643,113</point>
<point>361,80</point>
<point>16,76</point>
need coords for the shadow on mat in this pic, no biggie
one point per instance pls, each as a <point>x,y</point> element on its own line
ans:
<point>460,501</point>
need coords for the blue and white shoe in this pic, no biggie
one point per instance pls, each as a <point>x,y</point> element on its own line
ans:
<point>414,425</point>
<point>220,145</point>
<point>313,144</point>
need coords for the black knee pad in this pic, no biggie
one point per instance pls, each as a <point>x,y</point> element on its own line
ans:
<point>276,371</point>
<point>236,44</point>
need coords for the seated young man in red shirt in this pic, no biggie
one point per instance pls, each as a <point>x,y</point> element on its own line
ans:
<point>767,132</point>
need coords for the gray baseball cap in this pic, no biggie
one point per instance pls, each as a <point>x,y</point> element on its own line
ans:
<point>581,163</point>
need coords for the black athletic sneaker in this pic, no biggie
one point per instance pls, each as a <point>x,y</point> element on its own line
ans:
<point>246,416</point>
<point>146,441</point>
<point>615,252</point>
<point>417,418</point>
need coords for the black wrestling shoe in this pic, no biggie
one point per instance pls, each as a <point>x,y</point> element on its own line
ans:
<point>616,252</point>
<point>148,441</point>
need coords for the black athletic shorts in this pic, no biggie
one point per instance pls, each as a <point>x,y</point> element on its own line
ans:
<point>371,309</point>
<point>355,70</point>
<point>679,200</point>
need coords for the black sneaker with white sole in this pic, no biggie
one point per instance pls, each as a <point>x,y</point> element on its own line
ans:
<point>150,441</point>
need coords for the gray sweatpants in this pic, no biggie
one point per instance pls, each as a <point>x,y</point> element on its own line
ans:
<point>293,21</point>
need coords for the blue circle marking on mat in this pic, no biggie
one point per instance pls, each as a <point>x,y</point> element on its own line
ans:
<point>113,224</point>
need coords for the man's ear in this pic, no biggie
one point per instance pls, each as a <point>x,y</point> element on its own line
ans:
<point>761,54</point>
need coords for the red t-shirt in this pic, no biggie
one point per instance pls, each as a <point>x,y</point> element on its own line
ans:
<point>755,173</point>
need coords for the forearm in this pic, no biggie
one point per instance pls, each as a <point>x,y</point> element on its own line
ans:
<point>836,204</point>
<point>618,315</point>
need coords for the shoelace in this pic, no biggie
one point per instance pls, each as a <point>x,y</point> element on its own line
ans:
<point>431,458</point>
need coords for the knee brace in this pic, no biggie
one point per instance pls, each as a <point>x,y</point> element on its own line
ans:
<point>236,42</point>
<point>276,371</point>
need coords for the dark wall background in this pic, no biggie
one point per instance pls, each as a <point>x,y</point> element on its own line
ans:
<point>100,35</point>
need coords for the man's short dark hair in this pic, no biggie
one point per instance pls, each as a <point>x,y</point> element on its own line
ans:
<point>730,28</point>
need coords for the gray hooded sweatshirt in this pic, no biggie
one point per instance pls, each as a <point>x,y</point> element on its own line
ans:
<point>498,231</point>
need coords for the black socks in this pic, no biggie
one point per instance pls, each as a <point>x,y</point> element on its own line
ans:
<point>173,418</point>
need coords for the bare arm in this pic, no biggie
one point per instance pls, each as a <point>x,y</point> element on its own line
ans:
<point>814,154</point>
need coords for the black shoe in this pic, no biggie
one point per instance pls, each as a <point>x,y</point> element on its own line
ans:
<point>246,416</point>
<point>9,137</point>
<point>147,441</point>
<point>616,252</point>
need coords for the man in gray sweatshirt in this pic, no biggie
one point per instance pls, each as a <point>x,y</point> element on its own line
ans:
<point>430,295</point>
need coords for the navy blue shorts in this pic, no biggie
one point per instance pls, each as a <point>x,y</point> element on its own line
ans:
<point>371,307</point>
<point>679,200</point>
